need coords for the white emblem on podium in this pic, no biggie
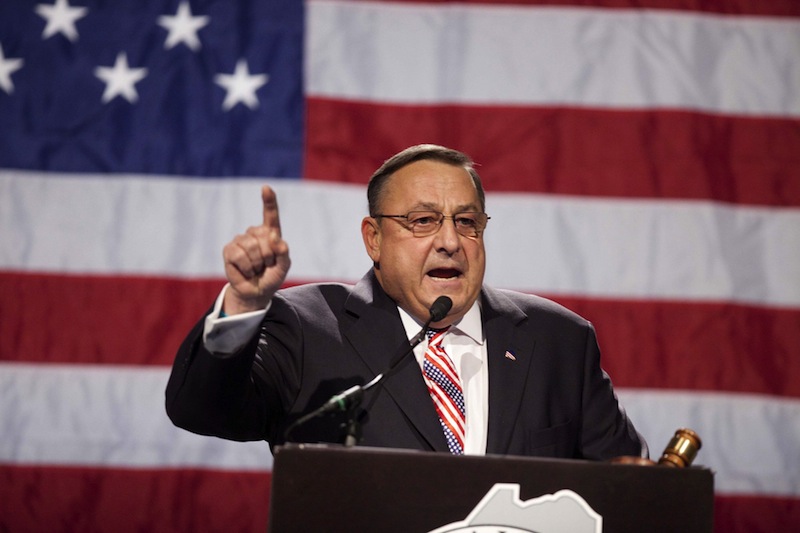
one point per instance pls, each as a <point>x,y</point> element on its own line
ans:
<point>502,510</point>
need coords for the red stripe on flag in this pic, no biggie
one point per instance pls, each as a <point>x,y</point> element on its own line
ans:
<point>68,499</point>
<point>56,499</point>
<point>745,514</point>
<point>658,344</point>
<point>591,152</point>
<point>696,345</point>
<point>98,319</point>
<point>776,8</point>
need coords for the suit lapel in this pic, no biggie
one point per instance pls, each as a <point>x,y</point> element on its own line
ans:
<point>509,361</point>
<point>377,335</point>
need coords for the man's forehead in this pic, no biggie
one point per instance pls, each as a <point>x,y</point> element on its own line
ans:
<point>410,181</point>
<point>436,206</point>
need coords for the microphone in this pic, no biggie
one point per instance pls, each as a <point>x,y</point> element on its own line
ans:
<point>350,398</point>
<point>439,309</point>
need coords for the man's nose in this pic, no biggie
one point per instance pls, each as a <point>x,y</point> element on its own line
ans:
<point>447,238</point>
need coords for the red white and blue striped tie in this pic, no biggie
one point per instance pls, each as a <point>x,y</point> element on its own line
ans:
<point>444,386</point>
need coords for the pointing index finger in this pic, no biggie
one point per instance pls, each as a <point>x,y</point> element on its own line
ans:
<point>270,200</point>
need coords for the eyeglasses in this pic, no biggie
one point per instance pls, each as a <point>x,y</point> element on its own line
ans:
<point>424,223</point>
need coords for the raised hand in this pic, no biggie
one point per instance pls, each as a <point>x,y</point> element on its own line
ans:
<point>256,262</point>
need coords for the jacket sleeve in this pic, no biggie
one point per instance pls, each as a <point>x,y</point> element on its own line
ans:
<point>241,396</point>
<point>606,430</point>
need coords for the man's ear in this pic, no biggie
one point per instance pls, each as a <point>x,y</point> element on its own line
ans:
<point>371,233</point>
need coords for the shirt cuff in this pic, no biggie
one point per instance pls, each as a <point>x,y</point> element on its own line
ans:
<point>225,335</point>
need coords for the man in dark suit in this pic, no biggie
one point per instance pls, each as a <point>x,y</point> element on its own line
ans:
<point>529,369</point>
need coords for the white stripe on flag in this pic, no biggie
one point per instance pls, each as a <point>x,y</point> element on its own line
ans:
<point>617,58</point>
<point>105,416</point>
<point>93,415</point>
<point>547,244</point>
<point>751,442</point>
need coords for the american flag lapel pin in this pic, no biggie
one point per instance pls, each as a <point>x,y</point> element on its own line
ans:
<point>510,355</point>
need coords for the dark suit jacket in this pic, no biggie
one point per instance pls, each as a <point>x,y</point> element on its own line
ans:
<point>552,400</point>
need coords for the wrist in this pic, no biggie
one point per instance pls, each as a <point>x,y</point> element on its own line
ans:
<point>233,304</point>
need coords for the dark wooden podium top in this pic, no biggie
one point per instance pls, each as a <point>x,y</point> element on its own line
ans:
<point>318,488</point>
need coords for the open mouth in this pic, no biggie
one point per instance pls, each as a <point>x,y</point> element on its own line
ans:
<point>444,273</point>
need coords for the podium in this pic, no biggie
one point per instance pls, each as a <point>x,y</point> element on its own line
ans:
<point>329,488</point>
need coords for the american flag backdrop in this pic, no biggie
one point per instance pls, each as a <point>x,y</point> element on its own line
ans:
<point>642,164</point>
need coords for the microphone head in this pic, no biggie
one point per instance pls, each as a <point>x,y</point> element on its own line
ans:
<point>440,308</point>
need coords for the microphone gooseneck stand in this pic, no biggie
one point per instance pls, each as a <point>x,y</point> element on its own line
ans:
<point>349,400</point>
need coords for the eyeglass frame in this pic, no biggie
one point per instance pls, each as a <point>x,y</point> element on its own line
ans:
<point>477,232</point>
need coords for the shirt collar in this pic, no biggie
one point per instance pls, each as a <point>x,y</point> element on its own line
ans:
<point>469,325</point>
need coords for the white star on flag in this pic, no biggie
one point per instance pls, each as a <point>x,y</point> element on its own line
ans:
<point>241,86</point>
<point>61,18</point>
<point>120,79</point>
<point>183,27</point>
<point>7,67</point>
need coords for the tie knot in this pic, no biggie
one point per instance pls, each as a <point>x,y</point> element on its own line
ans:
<point>436,332</point>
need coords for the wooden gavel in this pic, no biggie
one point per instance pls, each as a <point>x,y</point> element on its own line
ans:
<point>679,453</point>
